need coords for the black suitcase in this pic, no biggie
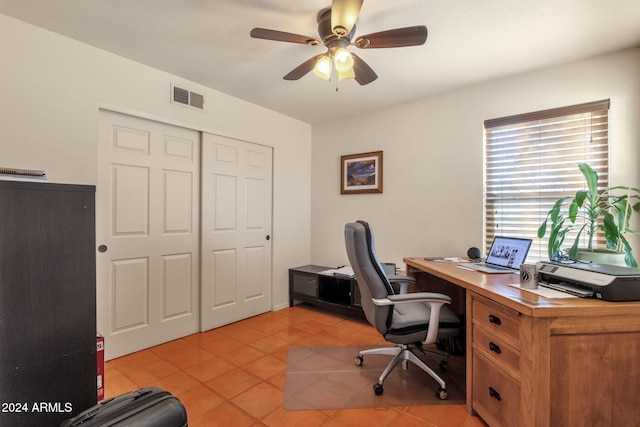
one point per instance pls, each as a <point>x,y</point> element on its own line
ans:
<point>149,407</point>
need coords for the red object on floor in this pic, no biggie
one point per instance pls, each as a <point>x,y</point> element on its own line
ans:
<point>100,365</point>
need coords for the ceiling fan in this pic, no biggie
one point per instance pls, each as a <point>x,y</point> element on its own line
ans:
<point>336,28</point>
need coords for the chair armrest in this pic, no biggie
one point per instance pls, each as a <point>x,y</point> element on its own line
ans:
<point>428,297</point>
<point>433,300</point>
<point>421,297</point>
<point>403,281</point>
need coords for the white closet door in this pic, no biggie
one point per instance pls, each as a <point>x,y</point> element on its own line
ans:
<point>236,230</point>
<point>147,232</point>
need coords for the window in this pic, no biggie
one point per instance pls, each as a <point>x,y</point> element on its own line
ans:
<point>531,160</point>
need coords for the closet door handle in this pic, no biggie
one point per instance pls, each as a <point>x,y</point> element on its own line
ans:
<point>102,248</point>
<point>268,237</point>
<point>493,393</point>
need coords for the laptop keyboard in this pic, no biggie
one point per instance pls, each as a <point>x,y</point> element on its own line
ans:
<point>497,268</point>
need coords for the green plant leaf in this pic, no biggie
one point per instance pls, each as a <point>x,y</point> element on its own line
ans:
<point>554,212</point>
<point>556,238</point>
<point>542,229</point>
<point>581,195</point>
<point>573,251</point>
<point>624,188</point>
<point>628,253</point>
<point>591,176</point>
<point>611,232</point>
<point>623,213</point>
<point>573,210</point>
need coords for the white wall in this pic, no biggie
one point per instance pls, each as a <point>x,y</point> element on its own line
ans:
<point>53,87</point>
<point>432,204</point>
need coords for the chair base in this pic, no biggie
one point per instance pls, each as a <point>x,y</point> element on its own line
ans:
<point>401,354</point>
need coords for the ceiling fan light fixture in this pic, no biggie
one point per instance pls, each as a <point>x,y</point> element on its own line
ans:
<point>346,75</point>
<point>323,66</point>
<point>343,60</point>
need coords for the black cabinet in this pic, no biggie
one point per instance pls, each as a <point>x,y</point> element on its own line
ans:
<point>332,293</point>
<point>47,302</point>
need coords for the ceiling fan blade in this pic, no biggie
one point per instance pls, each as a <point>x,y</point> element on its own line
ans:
<point>302,69</point>
<point>364,73</point>
<point>281,36</point>
<point>344,14</point>
<point>400,37</point>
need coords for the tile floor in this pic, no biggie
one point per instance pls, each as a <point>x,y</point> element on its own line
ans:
<point>234,376</point>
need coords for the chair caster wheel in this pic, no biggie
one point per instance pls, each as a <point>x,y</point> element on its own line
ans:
<point>442,393</point>
<point>444,365</point>
<point>378,389</point>
<point>358,360</point>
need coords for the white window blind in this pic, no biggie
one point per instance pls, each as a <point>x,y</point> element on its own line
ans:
<point>531,160</point>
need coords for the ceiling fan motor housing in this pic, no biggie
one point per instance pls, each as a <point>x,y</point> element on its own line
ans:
<point>327,34</point>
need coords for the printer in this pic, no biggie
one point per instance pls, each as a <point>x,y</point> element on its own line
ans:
<point>591,280</point>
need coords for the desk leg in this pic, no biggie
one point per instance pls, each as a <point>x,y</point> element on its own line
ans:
<point>535,370</point>
<point>469,356</point>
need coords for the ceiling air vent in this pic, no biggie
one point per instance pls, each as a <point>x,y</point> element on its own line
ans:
<point>186,97</point>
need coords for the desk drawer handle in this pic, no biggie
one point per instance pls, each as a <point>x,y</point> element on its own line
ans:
<point>495,320</point>
<point>493,393</point>
<point>495,348</point>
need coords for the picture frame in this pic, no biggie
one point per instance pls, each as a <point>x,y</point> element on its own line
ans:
<point>361,173</point>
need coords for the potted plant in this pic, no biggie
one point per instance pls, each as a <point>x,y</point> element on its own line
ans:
<point>589,211</point>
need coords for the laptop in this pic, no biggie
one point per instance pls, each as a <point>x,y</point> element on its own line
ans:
<point>505,256</point>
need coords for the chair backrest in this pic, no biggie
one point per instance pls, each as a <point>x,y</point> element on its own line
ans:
<point>372,281</point>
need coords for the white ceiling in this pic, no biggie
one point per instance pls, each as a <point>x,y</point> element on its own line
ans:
<point>470,41</point>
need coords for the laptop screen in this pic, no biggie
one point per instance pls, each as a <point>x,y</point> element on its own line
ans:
<point>508,251</point>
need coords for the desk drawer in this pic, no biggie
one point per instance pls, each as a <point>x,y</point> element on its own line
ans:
<point>497,351</point>
<point>494,392</point>
<point>502,323</point>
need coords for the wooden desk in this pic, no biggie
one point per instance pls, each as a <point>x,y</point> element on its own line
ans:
<point>533,361</point>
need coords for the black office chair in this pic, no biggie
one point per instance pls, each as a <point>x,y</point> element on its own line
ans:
<point>408,320</point>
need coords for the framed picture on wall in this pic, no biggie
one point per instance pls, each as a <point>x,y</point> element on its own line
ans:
<point>361,173</point>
